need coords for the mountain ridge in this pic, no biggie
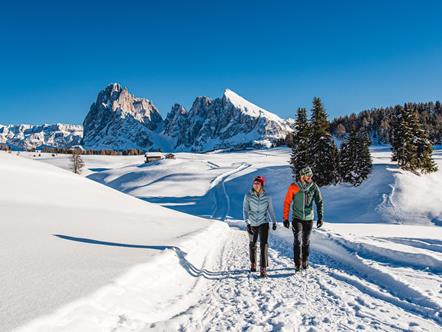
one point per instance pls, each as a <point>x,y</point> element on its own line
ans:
<point>118,120</point>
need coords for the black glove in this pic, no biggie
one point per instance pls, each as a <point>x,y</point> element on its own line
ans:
<point>274,226</point>
<point>286,223</point>
<point>249,229</point>
<point>319,224</point>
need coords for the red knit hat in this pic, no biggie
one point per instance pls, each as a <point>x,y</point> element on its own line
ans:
<point>260,179</point>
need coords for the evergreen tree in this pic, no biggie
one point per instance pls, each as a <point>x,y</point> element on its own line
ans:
<point>364,163</point>
<point>407,152</point>
<point>301,142</point>
<point>347,157</point>
<point>402,139</point>
<point>355,163</point>
<point>395,139</point>
<point>322,148</point>
<point>422,148</point>
<point>410,144</point>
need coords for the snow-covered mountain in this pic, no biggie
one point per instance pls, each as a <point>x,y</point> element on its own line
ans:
<point>25,136</point>
<point>227,122</point>
<point>118,120</point>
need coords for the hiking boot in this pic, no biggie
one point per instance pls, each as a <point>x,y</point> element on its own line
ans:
<point>297,268</point>
<point>304,265</point>
<point>263,272</point>
<point>253,267</point>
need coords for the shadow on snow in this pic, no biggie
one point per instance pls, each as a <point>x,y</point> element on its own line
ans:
<point>188,266</point>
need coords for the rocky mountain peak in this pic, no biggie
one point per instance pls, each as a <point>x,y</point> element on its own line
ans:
<point>119,120</point>
<point>227,122</point>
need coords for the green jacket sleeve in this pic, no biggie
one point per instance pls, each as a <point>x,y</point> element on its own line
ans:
<point>319,203</point>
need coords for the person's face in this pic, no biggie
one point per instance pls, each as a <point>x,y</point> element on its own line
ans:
<point>307,179</point>
<point>257,186</point>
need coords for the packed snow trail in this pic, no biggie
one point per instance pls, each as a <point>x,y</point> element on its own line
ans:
<point>308,301</point>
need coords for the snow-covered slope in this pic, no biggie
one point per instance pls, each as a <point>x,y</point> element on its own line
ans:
<point>388,196</point>
<point>77,254</point>
<point>24,137</point>
<point>376,275</point>
<point>367,272</point>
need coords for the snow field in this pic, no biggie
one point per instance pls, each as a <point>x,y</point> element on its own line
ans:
<point>375,265</point>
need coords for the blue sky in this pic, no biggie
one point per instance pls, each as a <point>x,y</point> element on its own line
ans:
<point>55,56</point>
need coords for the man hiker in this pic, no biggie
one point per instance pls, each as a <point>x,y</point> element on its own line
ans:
<point>258,212</point>
<point>301,194</point>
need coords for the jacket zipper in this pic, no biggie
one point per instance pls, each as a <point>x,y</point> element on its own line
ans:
<point>303,207</point>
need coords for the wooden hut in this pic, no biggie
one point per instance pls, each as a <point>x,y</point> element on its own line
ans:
<point>149,157</point>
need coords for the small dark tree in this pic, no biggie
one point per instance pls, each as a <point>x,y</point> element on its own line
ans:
<point>423,148</point>
<point>403,145</point>
<point>300,157</point>
<point>364,163</point>
<point>411,146</point>
<point>322,148</point>
<point>355,161</point>
<point>395,138</point>
<point>347,157</point>
<point>77,162</point>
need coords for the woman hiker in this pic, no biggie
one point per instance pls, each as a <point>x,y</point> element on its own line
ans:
<point>258,212</point>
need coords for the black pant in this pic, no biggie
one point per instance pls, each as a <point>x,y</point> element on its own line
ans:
<point>263,232</point>
<point>301,230</point>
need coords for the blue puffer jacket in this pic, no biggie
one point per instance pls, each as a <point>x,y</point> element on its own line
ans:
<point>258,210</point>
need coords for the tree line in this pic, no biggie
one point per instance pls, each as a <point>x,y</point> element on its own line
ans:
<point>313,145</point>
<point>402,126</point>
<point>378,122</point>
<point>128,152</point>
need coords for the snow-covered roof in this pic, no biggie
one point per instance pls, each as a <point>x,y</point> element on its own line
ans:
<point>153,154</point>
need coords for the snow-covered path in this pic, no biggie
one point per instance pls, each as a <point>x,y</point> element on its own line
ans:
<point>237,300</point>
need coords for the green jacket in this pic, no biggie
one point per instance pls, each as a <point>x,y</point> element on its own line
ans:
<point>302,199</point>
